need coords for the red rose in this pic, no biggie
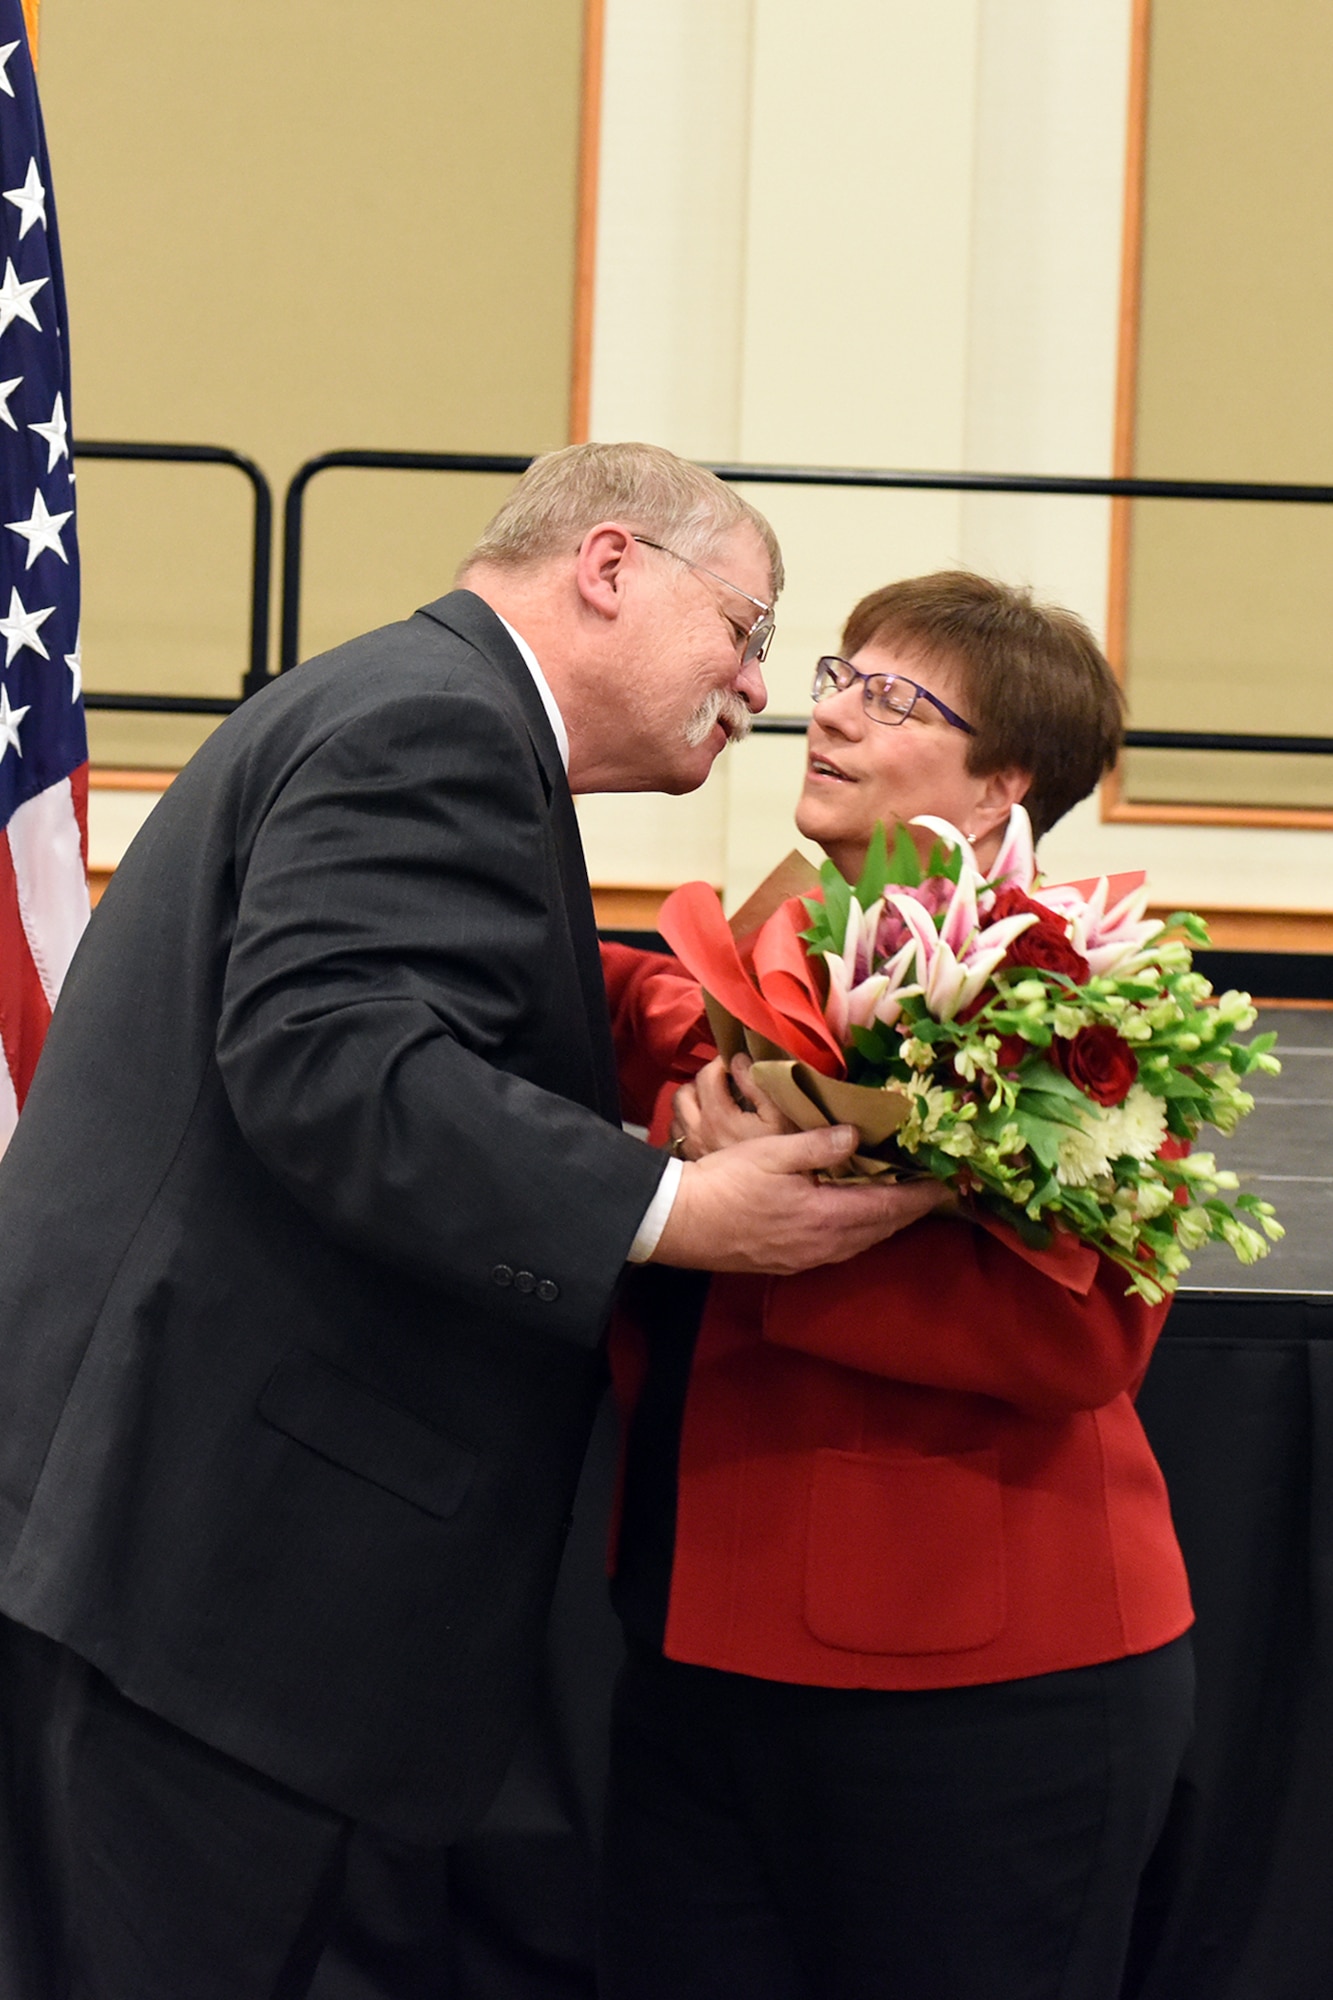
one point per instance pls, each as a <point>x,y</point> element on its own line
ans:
<point>1013,903</point>
<point>1099,1061</point>
<point>1044,945</point>
<point>1012,1051</point>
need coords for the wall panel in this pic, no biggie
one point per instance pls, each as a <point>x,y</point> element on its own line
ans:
<point>289,228</point>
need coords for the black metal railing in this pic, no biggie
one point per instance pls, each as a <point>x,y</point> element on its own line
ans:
<point>1134,739</point>
<point>1282,493</point>
<point>513,465</point>
<point>293,513</point>
<point>256,672</point>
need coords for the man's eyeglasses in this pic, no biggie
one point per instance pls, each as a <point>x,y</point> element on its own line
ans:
<point>888,698</point>
<point>755,638</point>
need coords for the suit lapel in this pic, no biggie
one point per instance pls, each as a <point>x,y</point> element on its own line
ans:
<point>473,620</point>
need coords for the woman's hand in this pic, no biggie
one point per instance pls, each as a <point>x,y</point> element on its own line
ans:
<point>710,1114</point>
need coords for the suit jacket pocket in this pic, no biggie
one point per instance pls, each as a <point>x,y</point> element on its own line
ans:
<point>348,1424</point>
<point>905,1554</point>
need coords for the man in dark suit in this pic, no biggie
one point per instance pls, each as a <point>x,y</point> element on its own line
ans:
<point>311,1228</point>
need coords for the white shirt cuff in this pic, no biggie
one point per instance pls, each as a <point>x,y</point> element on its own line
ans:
<point>649,1232</point>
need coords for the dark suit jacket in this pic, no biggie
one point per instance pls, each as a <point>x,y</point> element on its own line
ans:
<point>311,1227</point>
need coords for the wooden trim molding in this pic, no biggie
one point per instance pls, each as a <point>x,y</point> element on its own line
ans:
<point>1127,371</point>
<point>585,251</point>
<point>1114,804</point>
<point>110,778</point>
<point>1119,808</point>
<point>1265,930</point>
<point>620,908</point>
<point>1127,355</point>
<point>628,909</point>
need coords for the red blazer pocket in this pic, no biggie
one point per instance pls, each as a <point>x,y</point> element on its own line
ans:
<point>905,1554</point>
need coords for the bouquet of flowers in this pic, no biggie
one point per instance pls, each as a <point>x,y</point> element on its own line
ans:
<point>1047,1051</point>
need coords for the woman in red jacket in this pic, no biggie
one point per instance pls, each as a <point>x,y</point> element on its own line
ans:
<point>907,1684</point>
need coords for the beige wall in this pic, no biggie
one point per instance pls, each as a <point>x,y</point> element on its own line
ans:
<point>1231,609</point>
<point>873,232</point>
<point>289,228</point>
<point>901,248</point>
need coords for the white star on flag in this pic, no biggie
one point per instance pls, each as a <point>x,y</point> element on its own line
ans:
<point>56,434</point>
<point>10,719</point>
<point>41,530</point>
<point>29,200</point>
<point>6,391</point>
<point>20,628</point>
<point>74,661</point>
<point>5,53</point>
<point>16,298</point>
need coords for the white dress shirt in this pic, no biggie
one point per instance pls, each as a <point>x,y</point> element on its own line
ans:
<point>659,1208</point>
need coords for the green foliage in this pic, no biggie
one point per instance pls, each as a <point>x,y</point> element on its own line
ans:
<point>899,869</point>
<point>1026,1142</point>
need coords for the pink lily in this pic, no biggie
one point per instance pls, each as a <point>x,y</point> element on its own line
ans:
<point>954,963</point>
<point>857,996</point>
<point>946,831</point>
<point>1016,863</point>
<point>1108,939</point>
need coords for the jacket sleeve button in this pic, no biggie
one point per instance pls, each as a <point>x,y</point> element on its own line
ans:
<point>524,1281</point>
<point>547,1290</point>
<point>503,1274</point>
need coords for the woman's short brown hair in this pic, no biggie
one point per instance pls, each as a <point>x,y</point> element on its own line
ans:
<point>1039,692</point>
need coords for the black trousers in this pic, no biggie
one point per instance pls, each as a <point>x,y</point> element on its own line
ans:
<point>787,1842</point>
<point>138,1864</point>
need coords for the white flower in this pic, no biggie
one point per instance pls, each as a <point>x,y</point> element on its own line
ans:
<point>959,1144</point>
<point>1230,1103</point>
<point>932,1103</point>
<point>1207,1177</point>
<point>1237,1009</point>
<point>1082,1157</point>
<point>1123,1229</point>
<point>1247,1243</point>
<point>1152,1198</point>
<point>1194,1229</point>
<point>1136,1127</point>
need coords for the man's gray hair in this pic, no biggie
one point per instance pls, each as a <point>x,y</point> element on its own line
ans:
<point>566,492</point>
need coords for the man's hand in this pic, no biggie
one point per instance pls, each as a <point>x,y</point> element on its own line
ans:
<point>752,1208</point>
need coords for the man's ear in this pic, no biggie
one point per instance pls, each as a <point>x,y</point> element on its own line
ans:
<point>607,555</point>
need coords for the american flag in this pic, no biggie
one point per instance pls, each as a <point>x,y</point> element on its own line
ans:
<point>43,743</point>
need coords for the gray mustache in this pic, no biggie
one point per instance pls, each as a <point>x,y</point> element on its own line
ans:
<point>723,706</point>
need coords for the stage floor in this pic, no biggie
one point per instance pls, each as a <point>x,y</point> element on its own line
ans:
<point>1284,1152</point>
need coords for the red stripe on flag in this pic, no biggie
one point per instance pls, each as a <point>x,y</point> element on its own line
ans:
<point>24,1013</point>
<point>78,784</point>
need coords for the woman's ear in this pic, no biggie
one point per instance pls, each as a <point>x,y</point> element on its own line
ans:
<point>1000,791</point>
